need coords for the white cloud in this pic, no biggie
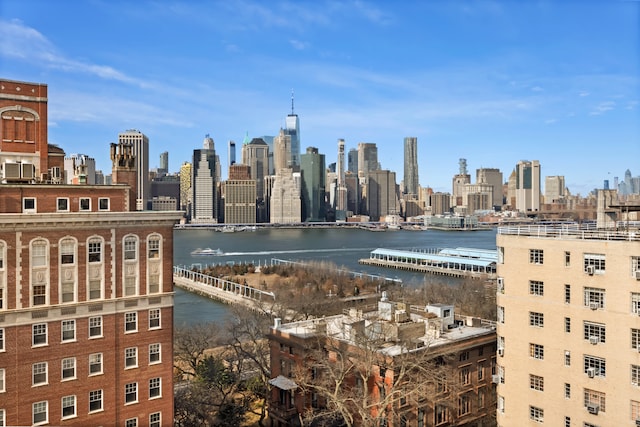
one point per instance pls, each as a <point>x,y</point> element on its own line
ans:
<point>602,108</point>
<point>298,45</point>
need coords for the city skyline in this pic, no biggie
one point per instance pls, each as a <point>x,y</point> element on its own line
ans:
<point>492,82</point>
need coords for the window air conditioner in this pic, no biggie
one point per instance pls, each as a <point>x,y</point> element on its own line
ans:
<point>637,274</point>
<point>593,409</point>
<point>501,352</point>
<point>638,422</point>
<point>594,339</point>
<point>591,269</point>
<point>500,283</point>
<point>591,372</point>
<point>594,305</point>
<point>495,379</point>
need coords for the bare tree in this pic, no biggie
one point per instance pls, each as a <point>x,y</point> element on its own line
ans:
<point>190,345</point>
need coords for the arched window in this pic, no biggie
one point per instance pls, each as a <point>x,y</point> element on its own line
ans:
<point>39,251</point>
<point>68,270</point>
<point>154,263</point>
<point>95,268</point>
<point>130,265</point>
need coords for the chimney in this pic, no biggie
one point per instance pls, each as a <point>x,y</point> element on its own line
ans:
<point>124,170</point>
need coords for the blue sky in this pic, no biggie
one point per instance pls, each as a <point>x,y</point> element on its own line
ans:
<point>494,82</point>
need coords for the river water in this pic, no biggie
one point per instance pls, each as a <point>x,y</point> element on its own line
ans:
<point>340,246</point>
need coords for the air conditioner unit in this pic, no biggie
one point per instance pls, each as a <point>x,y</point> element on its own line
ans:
<point>638,422</point>
<point>495,379</point>
<point>591,269</point>
<point>591,372</point>
<point>500,284</point>
<point>594,340</point>
<point>637,274</point>
<point>594,305</point>
<point>28,171</point>
<point>501,352</point>
<point>11,170</point>
<point>593,409</point>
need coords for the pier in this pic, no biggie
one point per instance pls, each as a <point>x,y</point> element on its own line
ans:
<point>458,262</point>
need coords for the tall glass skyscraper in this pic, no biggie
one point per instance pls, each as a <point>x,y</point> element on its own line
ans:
<point>411,182</point>
<point>292,128</point>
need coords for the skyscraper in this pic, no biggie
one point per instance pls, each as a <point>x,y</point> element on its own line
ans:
<point>367,158</point>
<point>255,154</point>
<point>341,187</point>
<point>185,187</point>
<point>292,128</point>
<point>204,202</point>
<point>140,144</point>
<point>312,169</point>
<point>411,182</point>
<point>232,153</point>
<point>460,180</point>
<point>80,169</point>
<point>282,151</point>
<point>528,185</point>
<point>352,161</point>
<point>164,163</point>
<point>493,177</point>
<point>553,188</point>
<point>382,199</point>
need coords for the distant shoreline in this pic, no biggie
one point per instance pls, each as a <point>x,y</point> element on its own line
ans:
<point>366,226</point>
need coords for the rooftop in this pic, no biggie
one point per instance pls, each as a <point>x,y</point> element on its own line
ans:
<point>628,230</point>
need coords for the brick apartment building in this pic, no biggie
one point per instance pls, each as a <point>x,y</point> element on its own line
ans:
<point>458,356</point>
<point>86,302</point>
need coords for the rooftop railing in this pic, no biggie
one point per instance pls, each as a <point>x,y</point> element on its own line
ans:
<point>571,232</point>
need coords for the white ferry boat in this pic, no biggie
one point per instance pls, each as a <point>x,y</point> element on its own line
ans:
<point>207,252</point>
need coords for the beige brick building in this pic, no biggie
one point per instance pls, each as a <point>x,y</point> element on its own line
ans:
<point>568,327</point>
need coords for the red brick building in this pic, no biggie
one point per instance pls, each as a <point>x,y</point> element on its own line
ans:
<point>86,302</point>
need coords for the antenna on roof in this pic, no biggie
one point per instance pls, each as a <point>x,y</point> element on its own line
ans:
<point>292,102</point>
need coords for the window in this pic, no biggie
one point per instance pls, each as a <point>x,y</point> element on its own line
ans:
<point>39,253</point>
<point>567,258</point>
<point>154,318</point>
<point>536,351</point>
<point>440,414</point>
<point>2,380</point>
<point>567,324</point>
<point>1,339</point>
<point>464,404</point>
<point>3,419</point>
<point>465,375</point>
<point>68,330</point>
<point>595,398</point>
<point>130,248</point>
<point>635,338</point>
<point>500,254</point>
<point>635,302</point>
<point>464,355</point>
<point>567,391</point>
<point>154,247</point>
<point>103,204</point>
<point>635,410</point>
<point>481,397</point>
<point>67,251</point>
<point>40,412</point>
<point>131,322</point>
<point>536,256</point>
<point>68,407</point>
<point>131,422</point>
<point>595,332</point>
<point>68,368</point>
<point>155,419</point>
<point>536,287</point>
<point>154,353</point>
<point>567,358</point>
<point>480,371</point>
<point>62,204</point>
<point>501,373</point>
<point>536,382</point>
<point>595,366</point>
<point>594,298</point>
<point>131,357</point>
<point>594,263</point>
<point>94,250</point>
<point>567,421</point>
<point>39,373</point>
<point>567,294</point>
<point>39,334</point>
<point>500,314</point>
<point>536,319</point>
<point>3,280</point>
<point>155,388</point>
<point>501,404</point>
<point>95,400</point>
<point>39,295</point>
<point>635,375</point>
<point>29,205</point>
<point>131,393</point>
<point>85,204</point>
<point>95,364</point>
<point>95,327</point>
<point>536,414</point>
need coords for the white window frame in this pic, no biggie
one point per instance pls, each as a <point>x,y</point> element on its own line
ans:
<point>81,201</point>
<point>66,203</point>
<point>3,275</point>
<point>155,384</point>
<point>94,322</point>
<point>39,369</point>
<point>536,287</point>
<point>43,408</point>
<point>536,351</point>
<point>597,296</point>
<point>67,326</point>
<point>131,263</point>
<point>131,422</point>
<point>598,364</point>
<point>64,402</point>
<point>593,329</point>
<point>96,396</point>
<point>130,357</point>
<point>536,319</point>
<point>96,359</point>
<point>635,375</point>
<point>101,200</point>
<point>130,318</point>
<point>155,419</point>
<point>68,363</point>
<point>131,389</point>
<point>2,348</point>
<point>597,261</point>
<point>635,303</point>
<point>3,380</point>
<point>536,414</point>
<point>29,210</point>
<point>39,333</point>
<point>155,349</point>
<point>155,315</point>
<point>536,256</point>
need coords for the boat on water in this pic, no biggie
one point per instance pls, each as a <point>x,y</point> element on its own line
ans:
<point>207,252</point>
